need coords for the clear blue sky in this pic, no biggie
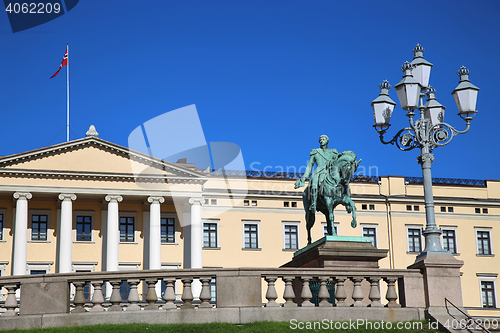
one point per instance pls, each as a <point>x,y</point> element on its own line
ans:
<point>269,76</point>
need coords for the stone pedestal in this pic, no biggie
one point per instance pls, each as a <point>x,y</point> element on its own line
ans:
<point>338,251</point>
<point>441,274</point>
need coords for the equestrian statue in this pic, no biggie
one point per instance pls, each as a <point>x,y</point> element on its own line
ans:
<point>328,185</point>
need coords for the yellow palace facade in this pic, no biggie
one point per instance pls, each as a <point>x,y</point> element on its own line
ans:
<point>80,206</point>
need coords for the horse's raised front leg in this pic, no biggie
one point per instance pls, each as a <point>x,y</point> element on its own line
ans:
<point>351,208</point>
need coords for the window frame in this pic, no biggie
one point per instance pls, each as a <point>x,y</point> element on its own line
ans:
<point>128,215</point>
<point>169,216</point>
<point>217,234</point>
<point>454,229</point>
<point>251,222</point>
<point>30,217</point>
<point>38,266</point>
<point>371,226</point>
<point>414,227</point>
<point>488,230</point>
<point>488,278</point>
<point>336,226</point>
<point>293,224</point>
<point>3,212</point>
<point>90,213</point>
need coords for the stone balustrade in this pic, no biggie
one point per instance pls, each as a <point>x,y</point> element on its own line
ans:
<point>244,290</point>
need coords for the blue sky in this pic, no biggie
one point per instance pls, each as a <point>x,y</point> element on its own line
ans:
<point>269,76</point>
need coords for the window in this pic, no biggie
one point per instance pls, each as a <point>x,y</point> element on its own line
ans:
<point>1,226</point>
<point>37,271</point>
<point>372,207</point>
<point>294,204</point>
<point>39,226</point>
<point>416,208</point>
<point>213,202</point>
<point>35,268</point>
<point>127,229</point>
<point>488,294</point>
<point>408,207</point>
<point>210,235</point>
<point>483,241</point>
<point>414,240</point>
<point>206,202</point>
<point>254,202</point>
<point>335,227</point>
<point>449,241</point>
<point>443,209</point>
<point>478,210</point>
<point>291,235</point>
<point>83,228</point>
<point>364,206</point>
<point>450,209</point>
<point>371,232</point>
<point>485,210</point>
<point>286,204</point>
<point>167,225</point>
<point>246,203</point>
<point>250,235</point>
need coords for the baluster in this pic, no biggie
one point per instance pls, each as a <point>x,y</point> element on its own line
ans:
<point>151,296</point>
<point>306,294</point>
<point>340,293</point>
<point>97,297</point>
<point>11,301</point>
<point>205,295</point>
<point>323,294</point>
<point>374,295</point>
<point>115,298</point>
<point>271,293</point>
<point>187,294</point>
<point>133,295</point>
<point>79,300</point>
<point>288,294</point>
<point>357,292</point>
<point>169,295</point>
<point>391,295</point>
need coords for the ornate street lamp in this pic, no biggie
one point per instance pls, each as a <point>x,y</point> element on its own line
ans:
<point>429,131</point>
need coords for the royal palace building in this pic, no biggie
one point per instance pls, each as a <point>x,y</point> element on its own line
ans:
<point>82,206</point>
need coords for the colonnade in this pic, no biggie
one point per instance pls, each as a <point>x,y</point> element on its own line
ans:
<point>64,251</point>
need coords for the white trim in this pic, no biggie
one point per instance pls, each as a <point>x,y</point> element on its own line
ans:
<point>38,266</point>
<point>371,225</point>
<point>255,222</point>
<point>454,228</point>
<point>90,213</point>
<point>3,265</point>
<point>291,223</point>
<point>217,222</point>
<point>3,212</point>
<point>32,212</point>
<point>128,214</point>
<point>126,266</point>
<point>414,226</point>
<point>495,292</point>
<point>176,229</point>
<point>488,230</point>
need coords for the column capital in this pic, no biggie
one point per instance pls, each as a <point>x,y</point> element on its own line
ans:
<point>113,198</point>
<point>67,196</point>
<point>156,200</point>
<point>196,201</point>
<point>23,195</point>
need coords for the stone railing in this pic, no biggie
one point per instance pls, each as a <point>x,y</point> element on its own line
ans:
<point>249,291</point>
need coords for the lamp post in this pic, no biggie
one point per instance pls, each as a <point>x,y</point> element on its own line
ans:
<point>429,131</point>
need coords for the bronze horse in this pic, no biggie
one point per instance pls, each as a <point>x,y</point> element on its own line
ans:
<point>334,190</point>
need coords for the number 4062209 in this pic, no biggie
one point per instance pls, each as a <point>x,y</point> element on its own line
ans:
<point>33,8</point>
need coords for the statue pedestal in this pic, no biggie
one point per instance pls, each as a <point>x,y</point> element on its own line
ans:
<point>338,251</point>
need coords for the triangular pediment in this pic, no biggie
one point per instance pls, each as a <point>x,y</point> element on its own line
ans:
<point>94,156</point>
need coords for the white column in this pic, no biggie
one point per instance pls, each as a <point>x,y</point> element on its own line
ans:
<point>196,233</point>
<point>155,232</point>
<point>196,242</point>
<point>113,232</point>
<point>65,232</point>
<point>20,234</point>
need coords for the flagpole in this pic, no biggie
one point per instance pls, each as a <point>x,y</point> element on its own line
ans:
<point>67,86</point>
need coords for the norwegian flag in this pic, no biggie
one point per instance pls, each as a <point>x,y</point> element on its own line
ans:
<point>64,63</point>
